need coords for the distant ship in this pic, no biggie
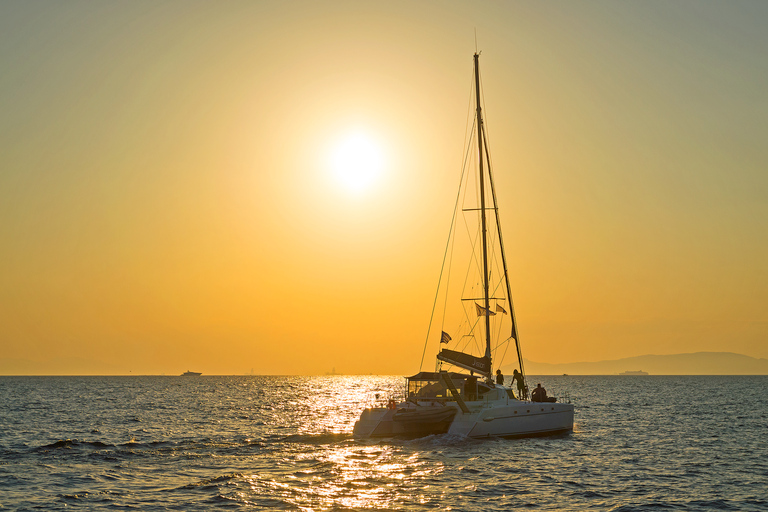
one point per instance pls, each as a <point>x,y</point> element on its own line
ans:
<point>191,374</point>
<point>636,372</point>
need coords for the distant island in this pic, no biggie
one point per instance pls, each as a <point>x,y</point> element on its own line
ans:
<point>697,363</point>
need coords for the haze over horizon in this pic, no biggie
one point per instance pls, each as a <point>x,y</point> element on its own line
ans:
<point>177,190</point>
<point>699,363</point>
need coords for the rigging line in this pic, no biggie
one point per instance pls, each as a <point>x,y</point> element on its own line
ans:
<point>474,239</point>
<point>473,264</point>
<point>442,267</point>
<point>471,336</point>
<point>479,342</point>
<point>473,261</point>
<point>467,320</point>
<point>497,286</point>
<point>450,231</point>
<point>506,343</point>
<point>467,156</point>
<point>498,239</point>
<point>448,280</point>
<point>466,339</point>
<point>473,245</point>
<point>515,332</point>
<point>495,236</point>
<point>470,325</point>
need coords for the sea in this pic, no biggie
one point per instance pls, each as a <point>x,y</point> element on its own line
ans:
<point>640,443</point>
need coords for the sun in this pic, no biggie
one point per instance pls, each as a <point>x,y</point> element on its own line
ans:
<point>357,162</point>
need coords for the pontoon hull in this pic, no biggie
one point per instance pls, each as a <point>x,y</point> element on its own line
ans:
<point>515,419</point>
<point>379,422</point>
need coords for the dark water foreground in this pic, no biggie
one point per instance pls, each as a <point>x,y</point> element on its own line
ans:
<point>173,443</point>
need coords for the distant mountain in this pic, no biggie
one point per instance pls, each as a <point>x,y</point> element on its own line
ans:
<point>698,363</point>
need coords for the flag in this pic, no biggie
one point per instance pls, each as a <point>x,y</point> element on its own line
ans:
<point>481,311</point>
<point>501,309</point>
<point>445,338</point>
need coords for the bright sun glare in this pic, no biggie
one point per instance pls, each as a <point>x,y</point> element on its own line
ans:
<point>357,162</point>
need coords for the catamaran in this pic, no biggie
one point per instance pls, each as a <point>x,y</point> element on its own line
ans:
<point>472,404</point>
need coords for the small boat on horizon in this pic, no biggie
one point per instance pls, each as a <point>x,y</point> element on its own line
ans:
<point>635,372</point>
<point>191,374</point>
<point>472,404</point>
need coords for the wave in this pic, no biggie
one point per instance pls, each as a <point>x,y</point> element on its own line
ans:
<point>74,443</point>
<point>101,496</point>
<point>435,440</point>
<point>132,445</point>
<point>209,482</point>
<point>271,441</point>
<point>316,439</point>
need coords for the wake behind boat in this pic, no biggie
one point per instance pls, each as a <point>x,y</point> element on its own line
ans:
<point>474,404</point>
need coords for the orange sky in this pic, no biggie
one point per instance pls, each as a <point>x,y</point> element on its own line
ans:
<point>167,201</point>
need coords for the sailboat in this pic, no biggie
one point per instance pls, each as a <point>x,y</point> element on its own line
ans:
<point>450,400</point>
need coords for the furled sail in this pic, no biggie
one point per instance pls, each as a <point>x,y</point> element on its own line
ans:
<point>480,365</point>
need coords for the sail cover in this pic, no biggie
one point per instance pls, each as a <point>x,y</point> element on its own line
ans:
<point>468,362</point>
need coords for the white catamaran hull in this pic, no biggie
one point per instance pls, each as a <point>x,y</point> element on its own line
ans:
<point>512,418</point>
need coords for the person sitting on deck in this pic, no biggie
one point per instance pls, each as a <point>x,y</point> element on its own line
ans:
<point>499,378</point>
<point>539,394</point>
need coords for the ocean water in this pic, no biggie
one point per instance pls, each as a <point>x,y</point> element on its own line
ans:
<point>284,443</point>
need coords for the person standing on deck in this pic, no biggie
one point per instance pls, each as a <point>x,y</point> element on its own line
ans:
<point>470,389</point>
<point>499,378</point>
<point>517,376</point>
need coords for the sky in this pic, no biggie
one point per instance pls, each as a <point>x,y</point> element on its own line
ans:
<point>173,193</point>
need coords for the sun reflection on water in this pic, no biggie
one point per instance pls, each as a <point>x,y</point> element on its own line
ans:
<point>326,469</point>
<point>336,402</point>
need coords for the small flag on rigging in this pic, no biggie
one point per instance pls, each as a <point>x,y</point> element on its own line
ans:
<point>445,338</point>
<point>501,309</point>
<point>481,311</point>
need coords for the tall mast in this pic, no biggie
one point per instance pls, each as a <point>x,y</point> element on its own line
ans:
<point>482,211</point>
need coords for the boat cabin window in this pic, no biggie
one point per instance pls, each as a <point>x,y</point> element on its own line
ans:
<point>433,388</point>
<point>427,389</point>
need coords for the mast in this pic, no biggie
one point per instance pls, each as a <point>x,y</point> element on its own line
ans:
<point>486,299</point>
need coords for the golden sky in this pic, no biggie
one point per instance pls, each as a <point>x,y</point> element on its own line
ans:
<point>169,196</point>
